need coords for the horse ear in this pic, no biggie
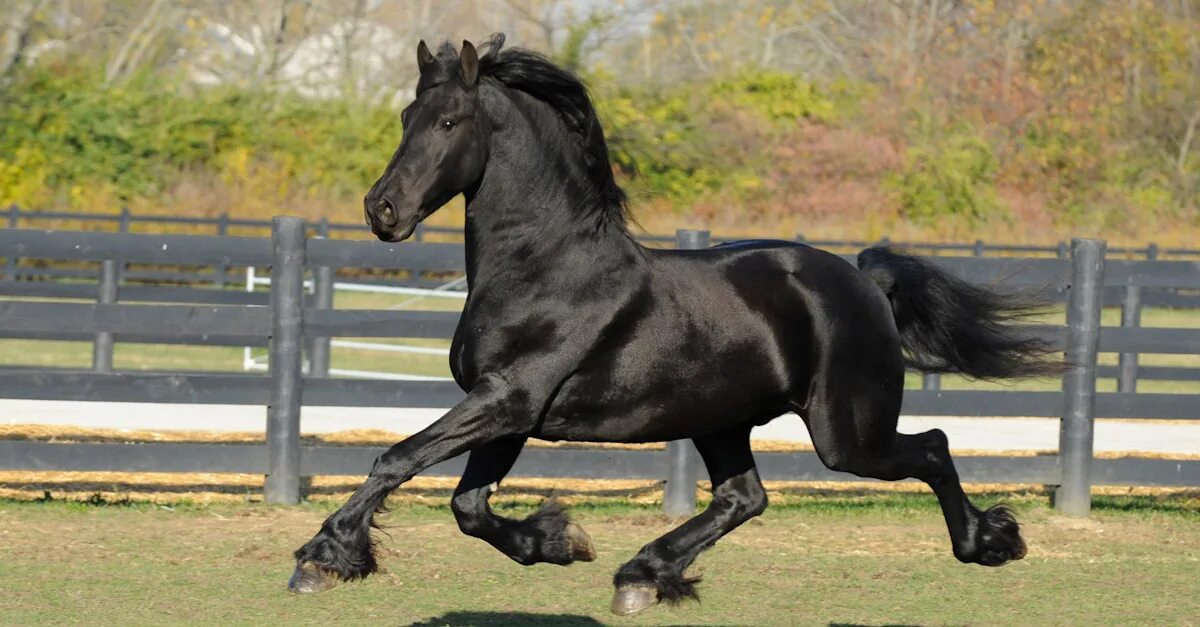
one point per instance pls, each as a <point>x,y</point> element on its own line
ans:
<point>469,59</point>
<point>424,57</point>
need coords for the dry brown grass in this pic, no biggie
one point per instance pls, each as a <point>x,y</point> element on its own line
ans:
<point>378,437</point>
<point>351,437</point>
<point>166,488</point>
<point>241,487</point>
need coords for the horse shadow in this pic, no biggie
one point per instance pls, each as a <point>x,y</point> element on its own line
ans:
<point>495,619</point>
<point>867,625</point>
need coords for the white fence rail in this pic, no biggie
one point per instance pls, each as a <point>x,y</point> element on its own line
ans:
<point>253,362</point>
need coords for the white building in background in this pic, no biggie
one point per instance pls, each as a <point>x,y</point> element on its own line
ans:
<point>363,58</point>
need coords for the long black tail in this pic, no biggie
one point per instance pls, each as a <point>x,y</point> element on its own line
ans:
<point>949,325</point>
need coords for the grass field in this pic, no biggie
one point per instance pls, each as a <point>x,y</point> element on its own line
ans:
<point>883,560</point>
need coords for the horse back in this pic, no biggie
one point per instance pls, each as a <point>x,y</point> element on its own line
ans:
<point>719,336</point>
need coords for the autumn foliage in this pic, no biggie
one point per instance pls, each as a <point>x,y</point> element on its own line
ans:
<point>1013,119</point>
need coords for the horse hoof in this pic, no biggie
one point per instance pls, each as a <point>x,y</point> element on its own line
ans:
<point>309,578</point>
<point>582,549</point>
<point>631,599</point>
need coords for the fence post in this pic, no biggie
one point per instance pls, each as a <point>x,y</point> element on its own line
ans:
<point>125,220</point>
<point>977,249</point>
<point>1127,363</point>
<point>287,312</point>
<point>323,296</point>
<point>222,271</point>
<point>14,219</point>
<point>319,347</point>
<point>1073,496</point>
<point>683,464</point>
<point>931,381</point>
<point>102,347</point>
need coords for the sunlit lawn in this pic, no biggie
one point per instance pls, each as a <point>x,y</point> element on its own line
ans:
<point>815,564</point>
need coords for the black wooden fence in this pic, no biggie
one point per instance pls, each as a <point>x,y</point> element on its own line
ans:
<point>146,283</point>
<point>287,322</point>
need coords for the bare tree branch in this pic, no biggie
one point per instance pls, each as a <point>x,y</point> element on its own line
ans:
<point>16,33</point>
<point>144,31</point>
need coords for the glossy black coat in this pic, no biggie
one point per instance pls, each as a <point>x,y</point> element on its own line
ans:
<point>574,331</point>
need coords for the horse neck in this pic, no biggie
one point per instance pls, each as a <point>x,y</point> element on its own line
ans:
<point>535,210</point>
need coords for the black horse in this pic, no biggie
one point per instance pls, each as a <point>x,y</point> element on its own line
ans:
<point>573,331</point>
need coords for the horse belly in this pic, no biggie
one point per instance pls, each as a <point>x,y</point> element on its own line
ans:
<point>669,401</point>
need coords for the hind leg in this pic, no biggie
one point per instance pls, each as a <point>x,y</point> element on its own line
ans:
<point>854,430</point>
<point>546,536</point>
<point>656,573</point>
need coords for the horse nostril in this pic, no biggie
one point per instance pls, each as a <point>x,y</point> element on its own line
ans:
<point>385,212</point>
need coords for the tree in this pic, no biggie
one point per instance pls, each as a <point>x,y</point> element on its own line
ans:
<point>17,27</point>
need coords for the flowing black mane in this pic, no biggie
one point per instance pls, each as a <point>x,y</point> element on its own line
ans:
<point>534,74</point>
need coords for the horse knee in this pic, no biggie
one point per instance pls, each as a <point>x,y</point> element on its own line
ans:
<point>756,503</point>
<point>470,512</point>
<point>745,496</point>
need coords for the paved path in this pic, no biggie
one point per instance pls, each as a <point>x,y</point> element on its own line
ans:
<point>989,434</point>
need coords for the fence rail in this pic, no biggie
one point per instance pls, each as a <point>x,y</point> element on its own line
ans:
<point>291,324</point>
<point>23,279</point>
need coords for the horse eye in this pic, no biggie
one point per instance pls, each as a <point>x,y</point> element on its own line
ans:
<point>448,124</point>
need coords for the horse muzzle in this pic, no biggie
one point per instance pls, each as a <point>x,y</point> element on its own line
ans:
<point>388,224</point>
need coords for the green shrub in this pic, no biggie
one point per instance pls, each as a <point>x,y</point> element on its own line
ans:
<point>947,176</point>
<point>67,141</point>
<point>777,96</point>
<point>64,131</point>
<point>695,139</point>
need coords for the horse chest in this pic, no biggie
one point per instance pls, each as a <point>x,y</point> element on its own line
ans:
<point>531,347</point>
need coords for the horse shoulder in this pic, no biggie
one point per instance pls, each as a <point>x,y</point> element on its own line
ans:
<point>535,342</point>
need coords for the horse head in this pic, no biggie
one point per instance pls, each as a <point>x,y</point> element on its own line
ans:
<point>444,147</point>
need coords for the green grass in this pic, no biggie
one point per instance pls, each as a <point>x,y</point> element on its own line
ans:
<point>819,562</point>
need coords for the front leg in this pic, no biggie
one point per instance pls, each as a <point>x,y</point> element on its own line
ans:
<point>343,548</point>
<point>546,536</point>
